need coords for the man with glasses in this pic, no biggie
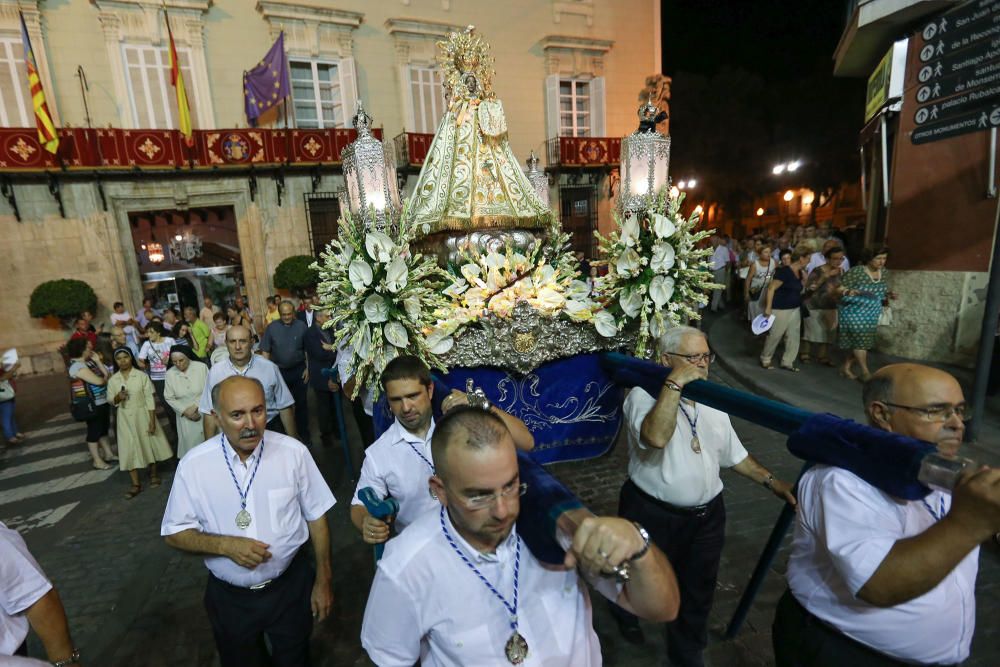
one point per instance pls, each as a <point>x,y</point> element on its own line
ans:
<point>877,580</point>
<point>400,462</point>
<point>460,588</point>
<point>676,448</point>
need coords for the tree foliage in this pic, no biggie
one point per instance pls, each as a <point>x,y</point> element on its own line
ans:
<point>296,274</point>
<point>65,299</point>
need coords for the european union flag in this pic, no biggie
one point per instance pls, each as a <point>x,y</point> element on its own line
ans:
<point>267,83</point>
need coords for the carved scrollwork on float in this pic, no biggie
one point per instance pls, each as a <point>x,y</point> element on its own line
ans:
<point>525,341</point>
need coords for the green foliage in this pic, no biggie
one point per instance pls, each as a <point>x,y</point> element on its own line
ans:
<point>65,299</point>
<point>296,273</point>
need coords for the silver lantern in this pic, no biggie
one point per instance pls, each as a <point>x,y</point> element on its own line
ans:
<point>538,178</point>
<point>645,163</point>
<point>370,176</point>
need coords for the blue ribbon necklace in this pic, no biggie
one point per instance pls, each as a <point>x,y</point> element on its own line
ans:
<point>693,423</point>
<point>941,511</point>
<point>243,518</point>
<point>516,648</point>
<point>422,457</point>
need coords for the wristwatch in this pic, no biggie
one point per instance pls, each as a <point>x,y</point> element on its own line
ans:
<point>73,658</point>
<point>768,481</point>
<point>673,386</point>
<point>645,539</point>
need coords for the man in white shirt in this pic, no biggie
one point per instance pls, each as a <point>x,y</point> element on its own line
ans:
<point>877,580</point>
<point>400,462</point>
<point>676,448</point>
<point>242,361</point>
<point>818,259</point>
<point>720,262</point>
<point>248,500</point>
<point>460,588</point>
<point>27,599</point>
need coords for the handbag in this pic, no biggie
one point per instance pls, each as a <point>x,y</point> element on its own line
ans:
<point>885,319</point>
<point>81,408</point>
<point>6,391</point>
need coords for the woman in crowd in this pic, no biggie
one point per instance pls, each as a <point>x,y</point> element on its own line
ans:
<point>783,298</point>
<point>865,290</point>
<point>141,442</point>
<point>272,313</point>
<point>758,278</point>
<point>186,379</point>
<point>153,357</point>
<point>88,380</point>
<point>822,291</point>
<point>182,335</point>
<point>8,421</point>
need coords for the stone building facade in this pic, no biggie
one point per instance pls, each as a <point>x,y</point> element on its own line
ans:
<point>570,68</point>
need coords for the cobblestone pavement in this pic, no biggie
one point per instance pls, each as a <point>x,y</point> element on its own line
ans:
<point>132,601</point>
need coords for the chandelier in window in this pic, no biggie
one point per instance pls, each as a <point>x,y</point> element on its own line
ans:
<point>370,176</point>
<point>154,251</point>
<point>645,162</point>
<point>186,247</point>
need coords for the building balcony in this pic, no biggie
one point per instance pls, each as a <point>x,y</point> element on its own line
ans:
<point>113,149</point>
<point>584,152</point>
<point>412,149</point>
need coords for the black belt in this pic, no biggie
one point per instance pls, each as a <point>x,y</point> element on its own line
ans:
<point>298,560</point>
<point>693,510</point>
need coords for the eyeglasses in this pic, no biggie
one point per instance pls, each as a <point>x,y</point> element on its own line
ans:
<point>936,414</point>
<point>695,358</point>
<point>489,499</point>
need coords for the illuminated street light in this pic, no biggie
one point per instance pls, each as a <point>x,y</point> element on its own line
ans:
<point>692,183</point>
<point>792,166</point>
<point>760,212</point>
<point>681,184</point>
<point>808,198</point>
<point>778,169</point>
<point>789,195</point>
<point>786,166</point>
<point>698,209</point>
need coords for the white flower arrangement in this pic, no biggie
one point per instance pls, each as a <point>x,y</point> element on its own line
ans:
<point>657,275</point>
<point>381,298</point>
<point>494,282</point>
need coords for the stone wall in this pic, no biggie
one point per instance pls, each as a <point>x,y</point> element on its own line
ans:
<point>937,316</point>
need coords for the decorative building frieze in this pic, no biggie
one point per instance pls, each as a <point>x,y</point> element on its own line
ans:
<point>574,56</point>
<point>581,8</point>
<point>312,30</point>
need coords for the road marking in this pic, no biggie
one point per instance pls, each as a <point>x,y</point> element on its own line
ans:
<point>66,483</point>
<point>32,448</point>
<point>65,428</point>
<point>44,464</point>
<point>42,519</point>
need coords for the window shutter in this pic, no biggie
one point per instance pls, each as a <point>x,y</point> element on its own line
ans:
<point>406,86</point>
<point>598,127</point>
<point>348,89</point>
<point>552,106</point>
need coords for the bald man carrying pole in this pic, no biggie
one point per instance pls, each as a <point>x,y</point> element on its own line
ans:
<point>876,580</point>
<point>248,500</point>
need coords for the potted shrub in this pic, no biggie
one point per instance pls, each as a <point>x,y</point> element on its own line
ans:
<point>63,299</point>
<point>296,275</point>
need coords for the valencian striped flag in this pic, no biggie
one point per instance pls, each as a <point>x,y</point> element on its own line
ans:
<point>47,136</point>
<point>177,81</point>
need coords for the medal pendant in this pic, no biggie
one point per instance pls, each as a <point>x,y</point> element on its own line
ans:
<point>695,445</point>
<point>516,649</point>
<point>243,520</point>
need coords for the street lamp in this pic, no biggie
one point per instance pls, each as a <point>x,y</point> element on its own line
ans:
<point>790,166</point>
<point>370,176</point>
<point>760,212</point>
<point>789,195</point>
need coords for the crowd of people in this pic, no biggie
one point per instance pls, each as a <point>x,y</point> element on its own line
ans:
<point>872,579</point>
<point>804,280</point>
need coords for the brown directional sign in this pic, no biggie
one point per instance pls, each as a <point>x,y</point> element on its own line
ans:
<point>958,72</point>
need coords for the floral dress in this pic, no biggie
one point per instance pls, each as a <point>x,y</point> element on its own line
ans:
<point>857,316</point>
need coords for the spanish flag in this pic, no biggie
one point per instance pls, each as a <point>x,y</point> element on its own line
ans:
<point>47,136</point>
<point>177,81</point>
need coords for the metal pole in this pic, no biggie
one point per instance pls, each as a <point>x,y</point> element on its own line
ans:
<point>987,338</point>
<point>864,186</point>
<point>886,200</point>
<point>83,92</point>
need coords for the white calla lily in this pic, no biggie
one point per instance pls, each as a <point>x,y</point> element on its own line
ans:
<point>412,306</point>
<point>360,274</point>
<point>628,262</point>
<point>578,290</point>
<point>630,301</point>
<point>376,309</point>
<point>396,334</point>
<point>438,342</point>
<point>579,310</point>
<point>396,275</point>
<point>495,260</point>
<point>456,288</point>
<point>661,288</point>
<point>364,343</point>
<point>605,324</point>
<point>548,299</point>
<point>663,227</point>
<point>471,272</point>
<point>630,231</point>
<point>663,257</point>
<point>379,246</point>
<point>656,327</point>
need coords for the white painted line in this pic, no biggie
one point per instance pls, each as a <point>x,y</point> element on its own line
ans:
<point>55,486</point>
<point>42,519</point>
<point>65,428</point>
<point>29,448</point>
<point>43,464</point>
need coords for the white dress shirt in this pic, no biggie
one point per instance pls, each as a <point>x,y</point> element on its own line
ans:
<point>392,468</point>
<point>426,604</point>
<point>22,584</point>
<point>720,257</point>
<point>677,474</point>
<point>276,394</point>
<point>818,259</point>
<point>287,492</point>
<point>844,529</point>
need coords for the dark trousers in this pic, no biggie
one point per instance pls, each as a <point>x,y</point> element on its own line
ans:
<point>241,618</point>
<point>327,415</point>
<point>276,425</point>
<point>692,541</point>
<point>366,426</point>
<point>802,640</point>
<point>158,387</point>
<point>300,392</point>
